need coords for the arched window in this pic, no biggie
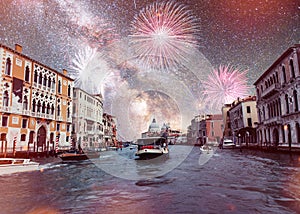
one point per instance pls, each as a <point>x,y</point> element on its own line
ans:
<point>52,109</point>
<point>287,104</point>
<point>48,109</point>
<point>23,137</point>
<point>49,82</point>
<point>58,110</point>
<point>35,76</point>
<point>8,66</point>
<point>296,107</point>
<point>298,132</point>
<point>27,73</point>
<point>25,103</point>
<point>44,107</point>
<point>283,74</point>
<point>53,84</point>
<point>279,103</point>
<point>59,86</point>
<point>5,99</point>
<point>45,80</point>
<point>40,78</point>
<point>69,91</point>
<point>38,106</point>
<point>33,105</point>
<point>292,68</point>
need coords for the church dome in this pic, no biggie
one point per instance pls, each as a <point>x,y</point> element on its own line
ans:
<point>154,127</point>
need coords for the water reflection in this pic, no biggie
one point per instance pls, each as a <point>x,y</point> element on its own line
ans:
<point>229,182</point>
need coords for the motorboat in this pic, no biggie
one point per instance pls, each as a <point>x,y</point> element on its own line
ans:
<point>151,147</point>
<point>206,148</point>
<point>79,155</point>
<point>73,156</point>
<point>13,165</point>
<point>228,144</point>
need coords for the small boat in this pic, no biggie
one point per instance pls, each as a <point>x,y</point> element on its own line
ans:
<point>228,144</point>
<point>73,157</point>
<point>13,165</point>
<point>206,148</point>
<point>150,147</point>
<point>78,156</point>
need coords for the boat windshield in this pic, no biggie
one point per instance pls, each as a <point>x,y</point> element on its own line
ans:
<point>151,141</point>
<point>3,162</point>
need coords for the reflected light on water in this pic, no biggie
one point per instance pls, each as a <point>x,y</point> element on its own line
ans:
<point>43,210</point>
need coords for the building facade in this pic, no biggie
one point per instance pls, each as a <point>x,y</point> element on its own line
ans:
<point>35,104</point>
<point>211,129</point>
<point>227,134</point>
<point>243,119</point>
<point>110,130</point>
<point>87,122</point>
<point>278,106</point>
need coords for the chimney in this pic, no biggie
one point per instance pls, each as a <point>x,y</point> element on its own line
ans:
<point>65,72</point>
<point>18,48</point>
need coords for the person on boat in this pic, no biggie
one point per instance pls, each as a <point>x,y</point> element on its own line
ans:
<point>80,151</point>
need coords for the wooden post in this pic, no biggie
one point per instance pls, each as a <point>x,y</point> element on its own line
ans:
<point>5,148</point>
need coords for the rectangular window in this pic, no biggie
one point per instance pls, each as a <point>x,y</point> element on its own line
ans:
<point>249,120</point>
<point>248,109</point>
<point>58,127</point>
<point>24,123</point>
<point>212,124</point>
<point>4,121</point>
<point>68,128</point>
<point>212,133</point>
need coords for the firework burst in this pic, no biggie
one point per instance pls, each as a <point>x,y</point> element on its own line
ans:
<point>224,85</point>
<point>163,35</point>
<point>89,69</point>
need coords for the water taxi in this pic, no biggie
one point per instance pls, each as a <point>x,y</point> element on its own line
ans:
<point>150,147</point>
<point>13,165</point>
<point>228,144</point>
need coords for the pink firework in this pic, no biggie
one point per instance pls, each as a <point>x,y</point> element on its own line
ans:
<point>163,34</point>
<point>224,85</point>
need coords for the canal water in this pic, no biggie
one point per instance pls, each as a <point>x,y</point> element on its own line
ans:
<point>186,181</point>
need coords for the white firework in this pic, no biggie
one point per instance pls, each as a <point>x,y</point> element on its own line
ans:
<point>89,69</point>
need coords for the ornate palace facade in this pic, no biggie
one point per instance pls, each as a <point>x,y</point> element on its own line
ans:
<point>35,104</point>
<point>278,90</point>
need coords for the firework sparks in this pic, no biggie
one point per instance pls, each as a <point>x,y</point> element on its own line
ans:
<point>225,85</point>
<point>89,69</point>
<point>163,35</point>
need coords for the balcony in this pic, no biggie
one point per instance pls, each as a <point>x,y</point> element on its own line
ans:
<point>6,109</point>
<point>272,89</point>
<point>59,118</point>
<point>26,112</point>
<point>273,121</point>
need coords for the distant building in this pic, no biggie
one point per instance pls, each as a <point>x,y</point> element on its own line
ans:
<point>211,128</point>
<point>243,117</point>
<point>87,119</point>
<point>35,104</point>
<point>227,134</point>
<point>205,128</point>
<point>110,130</point>
<point>278,90</point>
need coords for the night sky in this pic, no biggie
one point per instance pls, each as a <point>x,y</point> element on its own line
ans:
<point>248,34</point>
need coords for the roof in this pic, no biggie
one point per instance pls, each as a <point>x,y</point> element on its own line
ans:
<point>34,61</point>
<point>287,52</point>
